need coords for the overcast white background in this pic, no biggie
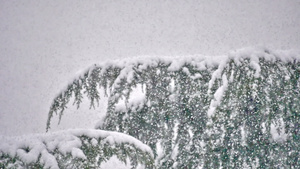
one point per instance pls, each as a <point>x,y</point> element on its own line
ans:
<point>44,43</point>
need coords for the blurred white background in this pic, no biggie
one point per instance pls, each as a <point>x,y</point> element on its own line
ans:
<point>44,43</point>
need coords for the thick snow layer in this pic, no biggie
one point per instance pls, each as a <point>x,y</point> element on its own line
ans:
<point>202,62</point>
<point>28,148</point>
<point>114,162</point>
<point>136,99</point>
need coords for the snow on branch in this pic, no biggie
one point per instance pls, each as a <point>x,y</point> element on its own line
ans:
<point>77,148</point>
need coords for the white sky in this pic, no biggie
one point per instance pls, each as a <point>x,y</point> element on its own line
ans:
<point>44,43</point>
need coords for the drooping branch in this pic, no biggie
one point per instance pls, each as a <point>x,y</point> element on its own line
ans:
<point>79,148</point>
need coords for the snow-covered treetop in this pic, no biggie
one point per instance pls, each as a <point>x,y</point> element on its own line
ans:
<point>112,75</point>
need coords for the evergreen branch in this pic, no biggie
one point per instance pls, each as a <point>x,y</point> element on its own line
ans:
<point>83,149</point>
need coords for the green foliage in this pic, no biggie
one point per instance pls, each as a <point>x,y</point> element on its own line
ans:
<point>239,133</point>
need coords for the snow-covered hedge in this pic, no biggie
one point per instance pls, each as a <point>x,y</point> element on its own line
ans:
<point>239,110</point>
<point>77,148</point>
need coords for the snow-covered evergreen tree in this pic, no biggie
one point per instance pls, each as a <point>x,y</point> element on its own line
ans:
<point>236,111</point>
